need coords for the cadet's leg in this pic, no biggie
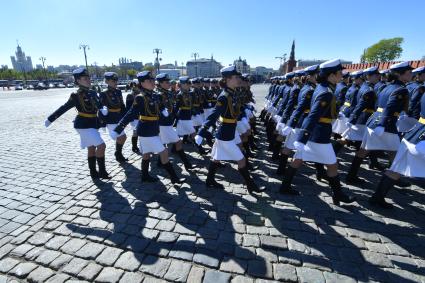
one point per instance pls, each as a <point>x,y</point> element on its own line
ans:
<point>91,159</point>
<point>250,184</point>
<point>179,149</point>
<point>352,177</point>
<point>100,156</point>
<point>290,172</point>
<point>118,148</point>
<point>166,164</point>
<point>384,186</point>
<point>335,184</point>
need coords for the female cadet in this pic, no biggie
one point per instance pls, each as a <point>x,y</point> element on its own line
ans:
<point>147,108</point>
<point>409,160</point>
<point>226,111</point>
<point>113,101</point>
<point>86,122</point>
<point>381,133</point>
<point>313,143</point>
<point>167,133</point>
<point>128,103</point>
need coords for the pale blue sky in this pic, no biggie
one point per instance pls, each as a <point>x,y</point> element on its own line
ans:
<point>255,30</point>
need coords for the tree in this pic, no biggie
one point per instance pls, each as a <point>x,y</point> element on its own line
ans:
<point>384,50</point>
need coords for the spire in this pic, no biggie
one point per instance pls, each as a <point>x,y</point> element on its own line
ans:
<point>292,56</point>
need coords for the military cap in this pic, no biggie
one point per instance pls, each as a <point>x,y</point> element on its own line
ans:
<point>229,71</point>
<point>290,75</point>
<point>299,73</point>
<point>111,76</point>
<point>356,74</point>
<point>80,72</point>
<point>311,69</point>
<point>145,75</point>
<point>419,70</point>
<point>371,71</point>
<point>184,80</point>
<point>400,67</point>
<point>331,66</point>
<point>162,77</point>
<point>206,80</point>
<point>195,81</point>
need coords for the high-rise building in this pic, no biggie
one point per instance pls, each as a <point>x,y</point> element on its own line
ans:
<point>21,62</point>
<point>202,67</point>
<point>129,64</point>
<point>242,66</point>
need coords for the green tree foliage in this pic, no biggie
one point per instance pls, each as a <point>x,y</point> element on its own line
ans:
<point>384,50</point>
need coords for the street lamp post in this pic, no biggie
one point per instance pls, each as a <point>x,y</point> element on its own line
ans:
<point>157,51</point>
<point>195,55</point>
<point>84,47</point>
<point>43,59</point>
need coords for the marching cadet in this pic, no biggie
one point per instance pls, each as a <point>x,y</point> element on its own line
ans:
<point>196,103</point>
<point>296,120</point>
<point>409,160</point>
<point>147,108</point>
<point>382,131</point>
<point>183,106</point>
<point>379,86</point>
<point>314,140</point>
<point>87,122</point>
<point>416,90</point>
<point>167,133</point>
<point>112,99</point>
<point>341,89</point>
<point>209,99</point>
<point>128,103</point>
<point>226,111</point>
<point>173,88</point>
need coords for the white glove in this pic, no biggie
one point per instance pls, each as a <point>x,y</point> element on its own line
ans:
<point>379,131</point>
<point>209,104</point>
<point>349,125</point>
<point>354,127</point>
<point>165,112</point>
<point>286,130</point>
<point>340,115</point>
<point>210,129</point>
<point>420,147</point>
<point>298,145</point>
<point>198,139</point>
<point>114,135</point>
<point>104,111</point>
<point>47,123</point>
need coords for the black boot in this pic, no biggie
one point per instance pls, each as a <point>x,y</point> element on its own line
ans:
<point>158,162</point>
<point>173,148</point>
<point>201,150</point>
<point>134,146</point>
<point>247,149</point>
<point>251,141</point>
<point>321,172</point>
<point>250,184</point>
<point>118,153</point>
<point>352,177</point>
<point>146,177</point>
<point>282,164</point>
<point>337,146</point>
<point>276,150</point>
<point>402,183</point>
<point>374,163</point>
<point>211,182</point>
<point>286,188</point>
<point>92,166</point>
<point>185,139</point>
<point>187,165</point>
<point>102,170</point>
<point>173,176</point>
<point>337,194</point>
<point>378,197</point>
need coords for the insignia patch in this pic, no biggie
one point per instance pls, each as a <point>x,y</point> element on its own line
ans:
<point>323,103</point>
<point>219,103</point>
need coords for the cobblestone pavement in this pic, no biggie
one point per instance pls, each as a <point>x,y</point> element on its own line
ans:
<point>56,225</point>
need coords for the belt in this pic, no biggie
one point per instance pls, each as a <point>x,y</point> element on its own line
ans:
<point>196,105</point>
<point>229,121</point>
<point>211,100</point>
<point>185,108</point>
<point>422,120</point>
<point>87,115</point>
<point>396,114</point>
<point>307,111</point>
<point>148,118</point>
<point>348,104</point>
<point>325,120</point>
<point>369,110</point>
<point>114,110</point>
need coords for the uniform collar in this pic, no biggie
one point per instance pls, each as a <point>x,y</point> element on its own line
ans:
<point>83,88</point>
<point>146,91</point>
<point>111,88</point>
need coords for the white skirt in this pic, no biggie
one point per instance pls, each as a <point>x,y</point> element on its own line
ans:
<point>111,127</point>
<point>134,124</point>
<point>241,128</point>
<point>408,164</point>
<point>197,120</point>
<point>168,134</point>
<point>387,141</point>
<point>185,127</point>
<point>355,134</point>
<point>339,126</point>
<point>249,113</point>
<point>89,137</point>
<point>226,150</point>
<point>291,138</point>
<point>151,144</point>
<point>317,152</point>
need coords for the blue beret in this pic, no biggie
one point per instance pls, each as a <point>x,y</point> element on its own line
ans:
<point>184,80</point>
<point>419,70</point>
<point>400,67</point>
<point>80,72</point>
<point>145,75</point>
<point>371,71</point>
<point>330,66</point>
<point>110,76</point>
<point>162,77</point>
<point>229,71</point>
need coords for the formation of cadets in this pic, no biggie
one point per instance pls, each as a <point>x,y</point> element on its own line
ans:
<point>312,114</point>
<point>309,116</point>
<point>164,114</point>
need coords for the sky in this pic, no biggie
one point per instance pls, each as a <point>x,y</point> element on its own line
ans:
<point>257,31</point>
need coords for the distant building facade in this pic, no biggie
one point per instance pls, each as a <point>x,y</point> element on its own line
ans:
<point>242,66</point>
<point>129,64</point>
<point>20,62</point>
<point>203,68</point>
